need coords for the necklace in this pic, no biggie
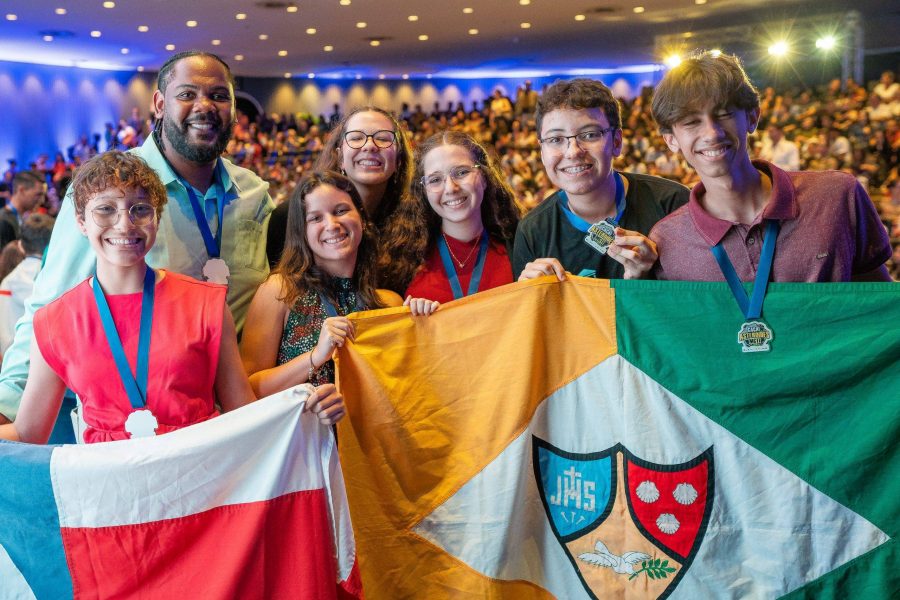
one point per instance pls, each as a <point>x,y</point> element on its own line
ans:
<point>462,263</point>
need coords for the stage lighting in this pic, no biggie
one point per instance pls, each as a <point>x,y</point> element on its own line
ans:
<point>715,53</point>
<point>826,42</point>
<point>779,48</point>
<point>673,60</point>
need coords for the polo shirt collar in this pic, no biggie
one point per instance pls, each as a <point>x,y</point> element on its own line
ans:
<point>782,205</point>
<point>223,173</point>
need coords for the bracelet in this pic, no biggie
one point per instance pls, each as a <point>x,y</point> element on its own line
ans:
<point>312,368</point>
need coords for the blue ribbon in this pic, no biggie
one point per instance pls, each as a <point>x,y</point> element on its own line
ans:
<point>135,387</point>
<point>213,244</point>
<point>582,225</point>
<point>329,308</point>
<point>752,306</point>
<point>450,270</point>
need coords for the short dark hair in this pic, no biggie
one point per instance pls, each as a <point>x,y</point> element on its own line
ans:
<point>699,79</point>
<point>578,94</point>
<point>165,71</point>
<point>116,169</point>
<point>26,179</point>
<point>35,232</point>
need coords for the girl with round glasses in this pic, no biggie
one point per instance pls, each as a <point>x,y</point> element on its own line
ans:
<point>469,215</point>
<point>147,351</point>
<point>298,316</point>
<point>369,147</point>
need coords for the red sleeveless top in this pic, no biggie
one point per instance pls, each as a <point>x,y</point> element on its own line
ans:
<point>184,353</point>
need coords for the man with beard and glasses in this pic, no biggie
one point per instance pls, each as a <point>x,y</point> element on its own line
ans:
<point>213,228</point>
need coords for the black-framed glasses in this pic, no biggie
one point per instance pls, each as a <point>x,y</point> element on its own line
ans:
<point>383,138</point>
<point>107,215</point>
<point>435,181</point>
<point>585,139</point>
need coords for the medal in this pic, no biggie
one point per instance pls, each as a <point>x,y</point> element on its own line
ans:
<point>601,235</point>
<point>754,335</point>
<point>141,423</point>
<point>216,270</point>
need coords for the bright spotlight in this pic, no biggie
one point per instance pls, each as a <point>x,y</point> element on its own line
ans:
<point>826,42</point>
<point>715,53</point>
<point>673,60</point>
<point>779,48</point>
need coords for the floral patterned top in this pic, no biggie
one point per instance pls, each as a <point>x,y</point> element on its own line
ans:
<point>301,332</point>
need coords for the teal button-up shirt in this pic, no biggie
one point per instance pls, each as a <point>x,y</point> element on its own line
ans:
<point>179,247</point>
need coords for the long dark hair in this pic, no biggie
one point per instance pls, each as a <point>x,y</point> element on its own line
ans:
<point>403,234</point>
<point>399,182</point>
<point>297,267</point>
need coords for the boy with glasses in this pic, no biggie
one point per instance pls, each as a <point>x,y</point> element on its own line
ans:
<point>596,224</point>
<point>750,220</point>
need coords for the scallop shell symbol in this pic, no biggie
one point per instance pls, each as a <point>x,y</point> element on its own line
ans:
<point>667,523</point>
<point>647,492</point>
<point>685,494</point>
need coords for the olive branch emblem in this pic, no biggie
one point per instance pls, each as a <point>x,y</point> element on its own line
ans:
<point>655,569</point>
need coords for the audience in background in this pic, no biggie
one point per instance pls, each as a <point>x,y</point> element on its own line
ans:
<point>848,129</point>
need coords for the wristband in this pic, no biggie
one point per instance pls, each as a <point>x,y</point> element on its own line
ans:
<point>312,368</point>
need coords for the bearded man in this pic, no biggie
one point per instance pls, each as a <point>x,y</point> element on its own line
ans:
<point>216,217</point>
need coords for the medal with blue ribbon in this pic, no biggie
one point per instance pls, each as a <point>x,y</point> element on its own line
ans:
<point>754,335</point>
<point>216,269</point>
<point>141,422</point>
<point>450,270</point>
<point>602,233</point>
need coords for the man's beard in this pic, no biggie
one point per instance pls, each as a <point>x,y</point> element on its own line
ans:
<point>201,153</point>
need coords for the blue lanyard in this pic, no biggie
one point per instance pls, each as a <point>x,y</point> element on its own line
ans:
<point>213,244</point>
<point>582,225</point>
<point>450,270</point>
<point>752,306</point>
<point>329,308</point>
<point>135,387</point>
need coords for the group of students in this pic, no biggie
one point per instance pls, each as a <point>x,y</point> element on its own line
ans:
<point>375,223</point>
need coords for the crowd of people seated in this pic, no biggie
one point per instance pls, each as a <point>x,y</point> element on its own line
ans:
<point>853,128</point>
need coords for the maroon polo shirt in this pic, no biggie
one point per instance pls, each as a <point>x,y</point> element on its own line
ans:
<point>829,231</point>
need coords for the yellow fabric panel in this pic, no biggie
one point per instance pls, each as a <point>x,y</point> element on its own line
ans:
<point>432,400</point>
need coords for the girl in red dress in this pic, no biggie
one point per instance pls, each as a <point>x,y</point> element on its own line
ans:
<point>470,216</point>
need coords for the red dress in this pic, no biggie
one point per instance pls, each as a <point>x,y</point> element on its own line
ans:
<point>184,353</point>
<point>431,281</point>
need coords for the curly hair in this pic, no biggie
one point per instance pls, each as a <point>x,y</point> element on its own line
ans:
<point>578,94</point>
<point>120,170</point>
<point>403,236</point>
<point>297,267</point>
<point>399,182</point>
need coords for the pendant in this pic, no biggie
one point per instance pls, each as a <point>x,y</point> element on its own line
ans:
<point>141,423</point>
<point>216,271</point>
<point>754,336</point>
<point>601,235</point>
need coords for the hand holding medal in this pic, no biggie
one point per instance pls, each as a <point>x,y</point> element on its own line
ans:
<point>634,251</point>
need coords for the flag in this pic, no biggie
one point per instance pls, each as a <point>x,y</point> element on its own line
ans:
<point>593,439</point>
<point>250,504</point>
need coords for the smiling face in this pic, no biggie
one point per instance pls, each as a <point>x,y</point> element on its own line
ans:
<point>122,244</point>
<point>334,229</point>
<point>369,165</point>
<point>713,140</point>
<point>581,169</point>
<point>196,109</point>
<point>458,201</point>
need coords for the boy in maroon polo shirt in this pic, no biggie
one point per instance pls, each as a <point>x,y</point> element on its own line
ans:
<point>823,225</point>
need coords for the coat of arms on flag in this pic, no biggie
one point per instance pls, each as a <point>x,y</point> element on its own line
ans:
<point>590,439</point>
<point>620,518</point>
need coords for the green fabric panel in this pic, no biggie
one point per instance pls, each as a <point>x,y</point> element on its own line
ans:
<point>824,402</point>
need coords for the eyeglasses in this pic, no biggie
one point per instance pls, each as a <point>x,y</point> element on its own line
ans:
<point>382,138</point>
<point>435,181</point>
<point>585,139</point>
<point>107,215</point>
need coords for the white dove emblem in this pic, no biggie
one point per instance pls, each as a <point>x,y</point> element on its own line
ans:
<point>624,565</point>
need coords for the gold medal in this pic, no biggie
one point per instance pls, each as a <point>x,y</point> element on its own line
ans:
<point>601,235</point>
<point>754,336</point>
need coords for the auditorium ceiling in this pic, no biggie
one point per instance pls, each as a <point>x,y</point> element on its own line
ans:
<point>397,38</point>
